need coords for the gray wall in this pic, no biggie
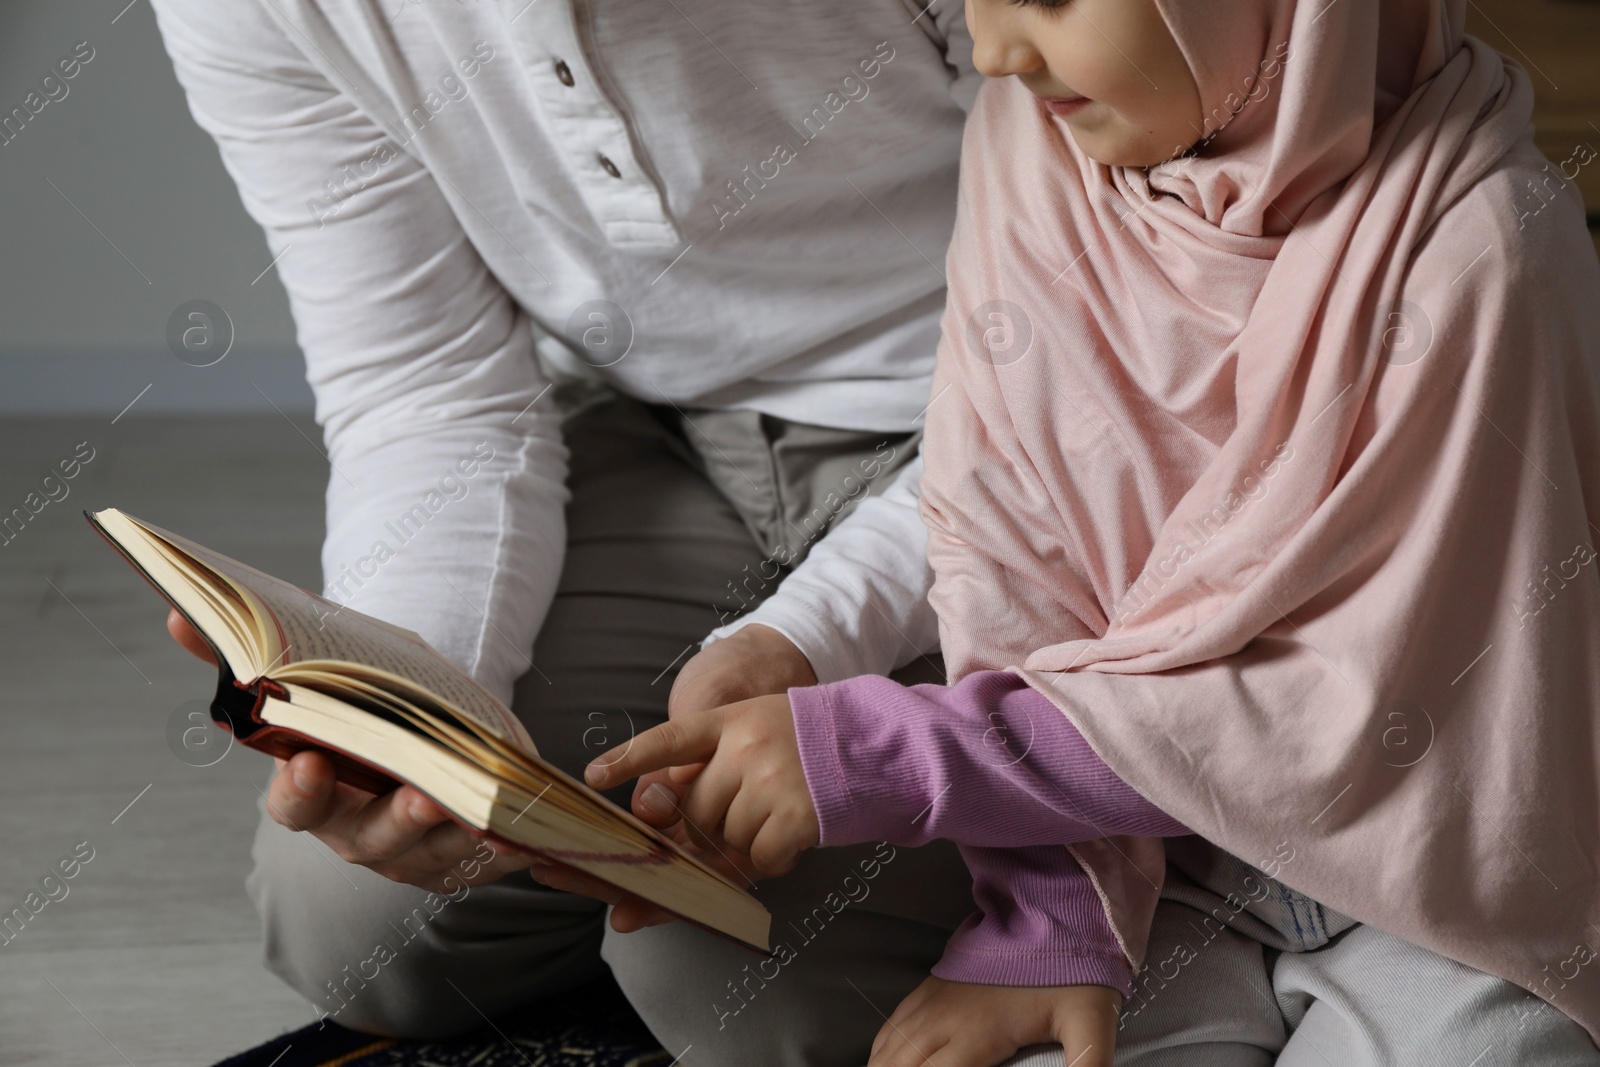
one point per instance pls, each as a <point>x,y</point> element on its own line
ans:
<point>84,314</point>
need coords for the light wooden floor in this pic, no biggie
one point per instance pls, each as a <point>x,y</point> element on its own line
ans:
<point>152,958</point>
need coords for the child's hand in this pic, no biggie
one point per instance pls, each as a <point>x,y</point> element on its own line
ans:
<point>953,1024</point>
<point>753,787</point>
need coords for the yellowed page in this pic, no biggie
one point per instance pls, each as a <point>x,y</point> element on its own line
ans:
<point>507,761</point>
<point>311,628</point>
<point>208,603</point>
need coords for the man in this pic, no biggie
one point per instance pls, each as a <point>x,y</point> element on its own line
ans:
<point>620,319</point>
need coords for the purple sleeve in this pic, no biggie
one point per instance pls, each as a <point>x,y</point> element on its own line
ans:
<point>996,767</point>
<point>1039,922</point>
<point>989,762</point>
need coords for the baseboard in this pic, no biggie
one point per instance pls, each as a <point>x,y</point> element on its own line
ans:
<point>129,382</point>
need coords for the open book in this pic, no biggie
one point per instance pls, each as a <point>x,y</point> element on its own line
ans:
<point>298,671</point>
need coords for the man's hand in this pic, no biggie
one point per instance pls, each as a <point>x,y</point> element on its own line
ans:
<point>756,661</point>
<point>402,835</point>
<point>955,1024</point>
<point>406,837</point>
<point>188,637</point>
<point>752,790</point>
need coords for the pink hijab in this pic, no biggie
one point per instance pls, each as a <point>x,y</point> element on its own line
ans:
<point>1277,469</point>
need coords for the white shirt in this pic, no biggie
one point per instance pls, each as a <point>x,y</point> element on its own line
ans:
<point>766,188</point>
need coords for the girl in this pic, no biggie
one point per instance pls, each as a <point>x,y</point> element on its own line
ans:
<point>1263,470</point>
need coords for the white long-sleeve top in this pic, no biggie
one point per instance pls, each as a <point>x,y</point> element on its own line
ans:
<point>701,202</point>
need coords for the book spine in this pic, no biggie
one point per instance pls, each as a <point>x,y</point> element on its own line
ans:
<point>237,709</point>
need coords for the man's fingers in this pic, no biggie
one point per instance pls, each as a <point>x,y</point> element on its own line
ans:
<point>504,862</point>
<point>399,837</point>
<point>455,860</point>
<point>571,880</point>
<point>403,835</point>
<point>655,800</point>
<point>403,825</point>
<point>692,739</point>
<point>360,828</point>
<point>634,913</point>
<point>301,794</point>
<point>185,635</point>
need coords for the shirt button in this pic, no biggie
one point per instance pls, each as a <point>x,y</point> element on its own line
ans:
<point>609,167</point>
<point>563,73</point>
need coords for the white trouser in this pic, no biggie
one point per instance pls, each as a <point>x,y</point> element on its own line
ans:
<point>1286,981</point>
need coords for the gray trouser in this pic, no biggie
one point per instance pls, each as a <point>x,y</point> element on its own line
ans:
<point>670,518</point>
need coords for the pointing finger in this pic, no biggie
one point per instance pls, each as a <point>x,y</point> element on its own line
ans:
<point>692,739</point>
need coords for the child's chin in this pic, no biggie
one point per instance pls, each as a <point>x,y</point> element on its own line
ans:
<point>1125,157</point>
<point>1113,144</point>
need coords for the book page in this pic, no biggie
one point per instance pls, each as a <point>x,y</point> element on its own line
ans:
<point>313,628</point>
<point>507,761</point>
<point>214,610</point>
